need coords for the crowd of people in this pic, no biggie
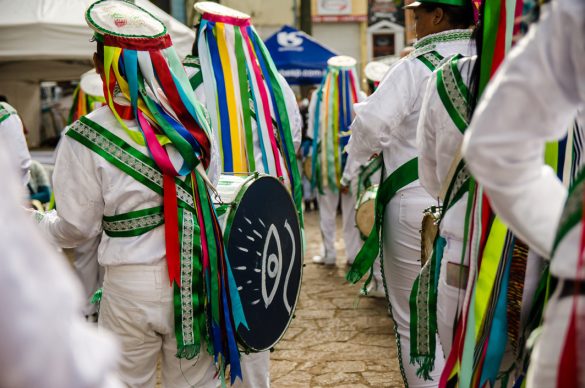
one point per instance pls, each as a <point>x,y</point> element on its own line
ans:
<point>458,175</point>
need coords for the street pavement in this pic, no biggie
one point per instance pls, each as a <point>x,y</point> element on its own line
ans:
<point>337,338</point>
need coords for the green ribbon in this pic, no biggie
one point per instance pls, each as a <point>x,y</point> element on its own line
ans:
<point>400,178</point>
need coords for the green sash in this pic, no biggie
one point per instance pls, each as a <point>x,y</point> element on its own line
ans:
<point>400,178</point>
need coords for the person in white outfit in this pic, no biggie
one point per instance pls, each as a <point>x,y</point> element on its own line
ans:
<point>255,366</point>
<point>386,124</point>
<point>533,98</point>
<point>329,128</point>
<point>111,181</point>
<point>45,342</point>
<point>12,133</point>
<point>439,136</point>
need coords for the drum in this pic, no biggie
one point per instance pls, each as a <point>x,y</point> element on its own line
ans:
<point>365,211</point>
<point>262,236</point>
<point>308,167</point>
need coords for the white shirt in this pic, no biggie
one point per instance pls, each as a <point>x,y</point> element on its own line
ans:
<point>386,121</point>
<point>531,100</point>
<point>44,341</point>
<point>438,141</point>
<point>12,135</point>
<point>87,187</point>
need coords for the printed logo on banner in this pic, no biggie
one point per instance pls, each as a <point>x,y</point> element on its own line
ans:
<point>289,41</point>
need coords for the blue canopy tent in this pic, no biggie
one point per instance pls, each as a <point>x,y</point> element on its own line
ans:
<point>298,57</point>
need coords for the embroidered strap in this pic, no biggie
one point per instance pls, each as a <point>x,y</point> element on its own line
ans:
<point>454,93</point>
<point>442,37</point>
<point>134,223</point>
<point>400,178</point>
<point>432,59</point>
<point>126,158</point>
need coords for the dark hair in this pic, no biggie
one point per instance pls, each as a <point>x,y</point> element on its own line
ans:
<point>460,16</point>
<point>100,50</point>
<point>3,98</point>
<point>195,48</point>
<point>474,78</point>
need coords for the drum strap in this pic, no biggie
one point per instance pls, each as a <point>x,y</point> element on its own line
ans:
<point>400,178</point>
<point>205,294</point>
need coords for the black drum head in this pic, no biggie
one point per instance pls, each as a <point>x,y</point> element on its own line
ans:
<point>264,249</point>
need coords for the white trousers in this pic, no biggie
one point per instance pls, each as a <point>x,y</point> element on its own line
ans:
<point>256,370</point>
<point>546,355</point>
<point>90,273</point>
<point>327,212</point>
<point>137,306</point>
<point>401,255</point>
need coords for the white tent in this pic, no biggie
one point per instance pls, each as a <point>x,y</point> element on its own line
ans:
<point>48,40</point>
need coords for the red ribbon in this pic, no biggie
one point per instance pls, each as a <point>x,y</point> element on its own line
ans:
<point>170,207</point>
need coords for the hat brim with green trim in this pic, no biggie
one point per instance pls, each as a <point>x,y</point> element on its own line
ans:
<point>124,24</point>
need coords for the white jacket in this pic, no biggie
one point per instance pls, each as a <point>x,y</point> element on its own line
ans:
<point>386,121</point>
<point>438,142</point>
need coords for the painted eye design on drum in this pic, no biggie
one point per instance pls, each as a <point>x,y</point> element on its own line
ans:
<point>270,262</point>
<point>271,265</point>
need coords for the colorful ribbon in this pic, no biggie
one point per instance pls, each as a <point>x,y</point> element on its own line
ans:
<point>337,94</point>
<point>242,86</point>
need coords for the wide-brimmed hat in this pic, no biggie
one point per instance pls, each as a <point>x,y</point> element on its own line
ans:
<point>375,71</point>
<point>126,25</point>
